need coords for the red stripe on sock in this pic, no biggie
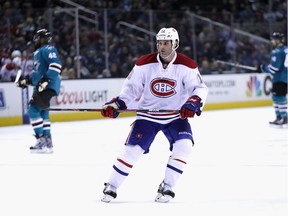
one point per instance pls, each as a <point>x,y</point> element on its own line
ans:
<point>123,162</point>
<point>180,160</point>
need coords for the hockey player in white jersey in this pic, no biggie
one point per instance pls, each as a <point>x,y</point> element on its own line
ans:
<point>163,80</point>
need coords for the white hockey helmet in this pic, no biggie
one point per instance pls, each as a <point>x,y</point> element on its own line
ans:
<point>17,61</point>
<point>169,34</point>
<point>16,53</point>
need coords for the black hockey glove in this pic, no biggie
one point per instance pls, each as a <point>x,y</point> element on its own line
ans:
<point>260,68</point>
<point>192,106</point>
<point>110,108</point>
<point>42,84</point>
<point>23,82</point>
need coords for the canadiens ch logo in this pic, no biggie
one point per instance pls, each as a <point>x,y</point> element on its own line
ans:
<point>163,87</point>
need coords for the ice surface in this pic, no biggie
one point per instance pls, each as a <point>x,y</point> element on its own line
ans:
<point>238,168</point>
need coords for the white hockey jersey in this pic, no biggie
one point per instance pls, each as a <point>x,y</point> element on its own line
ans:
<point>150,86</point>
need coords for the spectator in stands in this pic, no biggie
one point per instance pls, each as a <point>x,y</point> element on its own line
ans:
<point>16,19</point>
<point>68,72</point>
<point>84,71</point>
<point>9,71</point>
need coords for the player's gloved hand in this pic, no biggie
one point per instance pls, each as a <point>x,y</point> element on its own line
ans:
<point>23,82</point>
<point>192,106</point>
<point>110,108</point>
<point>42,84</point>
<point>260,68</point>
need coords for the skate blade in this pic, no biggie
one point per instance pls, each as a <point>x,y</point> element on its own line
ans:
<point>278,126</point>
<point>41,151</point>
<point>107,198</point>
<point>163,198</point>
<point>49,151</point>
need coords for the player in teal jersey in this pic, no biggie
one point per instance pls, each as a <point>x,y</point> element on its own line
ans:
<point>278,70</point>
<point>46,80</point>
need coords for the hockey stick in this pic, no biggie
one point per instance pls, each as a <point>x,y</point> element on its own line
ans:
<point>127,110</point>
<point>19,72</point>
<point>237,65</point>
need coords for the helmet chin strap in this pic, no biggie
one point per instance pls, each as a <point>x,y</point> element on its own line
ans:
<point>172,51</point>
<point>165,57</point>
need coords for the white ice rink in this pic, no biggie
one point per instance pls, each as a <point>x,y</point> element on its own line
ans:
<point>239,167</point>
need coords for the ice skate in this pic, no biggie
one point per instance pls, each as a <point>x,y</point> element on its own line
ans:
<point>109,193</point>
<point>284,122</point>
<point>165,193</point>
<point>40,146</point>
<point>279,122</point>
<point>49,144</point>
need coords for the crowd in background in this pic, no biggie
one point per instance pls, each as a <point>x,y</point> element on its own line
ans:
<point>20,19</point>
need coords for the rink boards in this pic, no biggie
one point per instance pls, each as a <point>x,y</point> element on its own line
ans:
<point>225,91</point>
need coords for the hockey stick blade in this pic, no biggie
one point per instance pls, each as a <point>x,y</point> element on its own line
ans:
<point>237,65</point>
<point>127,110</point>
<point>19,72</point>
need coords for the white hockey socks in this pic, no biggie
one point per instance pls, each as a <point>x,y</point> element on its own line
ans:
<point>124,163</point>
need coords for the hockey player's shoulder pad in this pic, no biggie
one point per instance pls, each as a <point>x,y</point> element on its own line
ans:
<point>185,60</point>
<point>147,59</point>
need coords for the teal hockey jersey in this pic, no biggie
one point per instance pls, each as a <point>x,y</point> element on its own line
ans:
<point>277,67</point>
<point>47,65</point>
